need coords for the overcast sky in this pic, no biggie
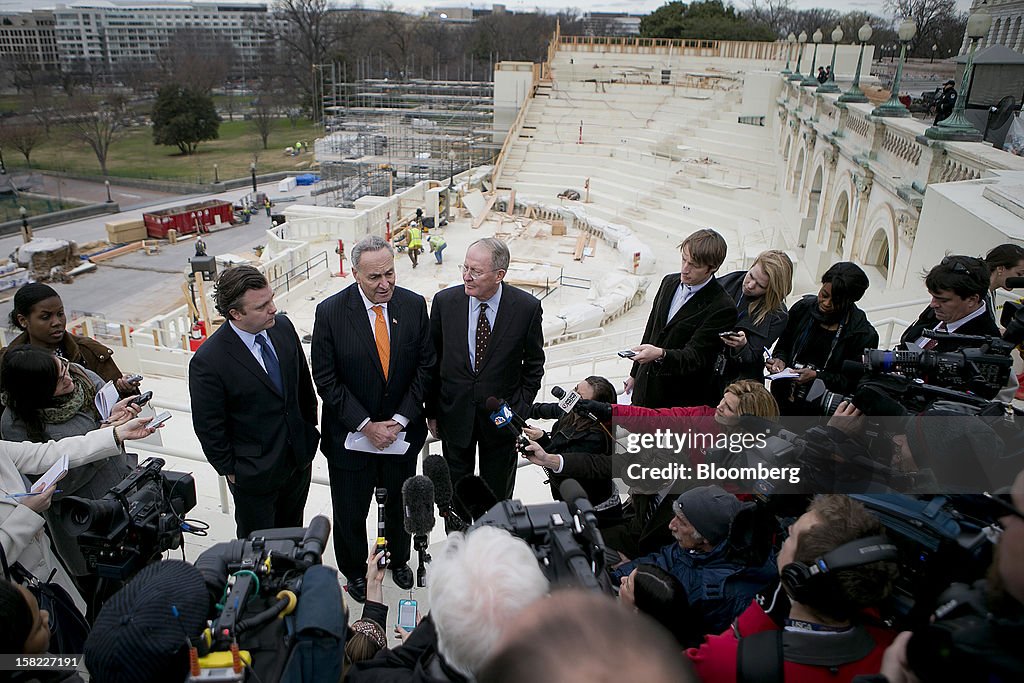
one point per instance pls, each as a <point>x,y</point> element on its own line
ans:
<point>633,6</point>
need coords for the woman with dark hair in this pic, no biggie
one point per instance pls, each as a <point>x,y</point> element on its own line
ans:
<point>823,331</point>
<point>655,592</point>
<point>1004,261</point>
<point>49,398</point>
<point>584,446</point>
<point>760,295</point>
<point>39,313</point>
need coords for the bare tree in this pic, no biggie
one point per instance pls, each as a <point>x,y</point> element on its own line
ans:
<point>307,36</point>
<point>23,135</point>
<point>97,122</point>
<point>196,58</point>
<point>937,20</point>
<point>775,14</point>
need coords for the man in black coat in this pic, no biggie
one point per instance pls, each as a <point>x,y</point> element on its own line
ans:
<point>674,366</point>
<point>372,360</point>
<point>945,102</point>
<point>253,404</point>
<point>489,343</point>
<point>959,288</point>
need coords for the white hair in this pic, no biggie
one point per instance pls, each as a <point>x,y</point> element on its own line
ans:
<point>477,585</point>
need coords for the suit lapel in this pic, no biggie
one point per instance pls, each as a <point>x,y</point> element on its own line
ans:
<point>238,350</point>
<point>692,307</point>
<point>285,349</point>
<point>502,321</point>
<point>361,322</point>
<point>395,311</point>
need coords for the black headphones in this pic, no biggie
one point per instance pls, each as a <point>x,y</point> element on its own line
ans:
<point>804,583</point>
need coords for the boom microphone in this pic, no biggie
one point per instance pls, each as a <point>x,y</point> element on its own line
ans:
<point>418,502</point>
<point>317,533</point>
<point>435,468</point>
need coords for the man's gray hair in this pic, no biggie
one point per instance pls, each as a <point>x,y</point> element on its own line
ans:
<point>369,243</point>
<point>477,585</point>
<point>498,250</point>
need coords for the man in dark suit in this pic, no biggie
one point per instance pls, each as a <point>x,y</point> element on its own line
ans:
<point>253,404</point>
<point>489,343</point>
<point>674,366</point>
<point>958,287</point>
<point>372,360</point>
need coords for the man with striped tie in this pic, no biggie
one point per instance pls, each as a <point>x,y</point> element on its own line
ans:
<point>253,404</point>
<point>372,359</point>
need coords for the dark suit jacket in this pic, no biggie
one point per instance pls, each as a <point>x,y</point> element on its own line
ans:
<point>349,377</point>
<point>512,367</point>
<point>685,376</point>
<point>246,428</point>
<point>983,325</point>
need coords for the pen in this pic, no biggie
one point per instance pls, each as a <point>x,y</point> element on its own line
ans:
<point>30,493</point>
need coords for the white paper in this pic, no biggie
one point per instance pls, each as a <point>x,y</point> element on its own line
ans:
<point>106,397</point>
<point>52,475</point>
<point>357,441</point>
<point>785,374</point>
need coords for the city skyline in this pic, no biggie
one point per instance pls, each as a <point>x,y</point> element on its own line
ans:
<point>631,6</point>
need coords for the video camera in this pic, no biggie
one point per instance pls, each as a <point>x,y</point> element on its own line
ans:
<point>567,544</point>
<point>134,522</point>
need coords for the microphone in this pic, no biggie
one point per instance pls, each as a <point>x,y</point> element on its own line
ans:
<point>435,468</point>
<point>1013,282</point>
<point>579,504</point>
<point>381,495</point>
<point>503,416</point>
<point>418,501</point>
<point>475,495</point>
<point>566,401</point>
<point>317,533</point>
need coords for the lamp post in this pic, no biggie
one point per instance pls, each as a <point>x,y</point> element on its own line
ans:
<point>451,185</point>
<point>809,79</point>
<point>934,48</point>
<point>216,175</point>
<point>801,39</point>
<point>790,39</point>
<point>26,232</point>
<point>893,107</point>
<point>252,169</point>
<point>3,168</point>
<point>830,84</point>
<point>956,127</point>
<point>855,94</point>
<point>109,200</point>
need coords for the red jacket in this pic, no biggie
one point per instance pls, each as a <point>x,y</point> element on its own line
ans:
<point>638,419</point>
<point>715,660</point>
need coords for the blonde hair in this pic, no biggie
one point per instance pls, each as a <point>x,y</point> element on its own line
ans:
<point>754,398</point>
<point>778,268</point>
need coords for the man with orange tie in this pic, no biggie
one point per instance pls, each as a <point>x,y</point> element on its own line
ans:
<point>372,359</point>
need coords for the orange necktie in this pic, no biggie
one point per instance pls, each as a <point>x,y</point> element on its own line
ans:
<point>380,335</point>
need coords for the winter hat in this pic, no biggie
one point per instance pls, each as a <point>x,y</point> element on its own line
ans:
<point>710,509</point>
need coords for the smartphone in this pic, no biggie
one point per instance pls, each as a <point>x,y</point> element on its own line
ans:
<point>407,614</point>
<point>142,400</point>
<point>729,334</point>
<point>628,353</point>
<point>133,379</point>
<point>159,419</point>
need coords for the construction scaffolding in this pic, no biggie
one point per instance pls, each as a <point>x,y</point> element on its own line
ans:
<point>382,136</point>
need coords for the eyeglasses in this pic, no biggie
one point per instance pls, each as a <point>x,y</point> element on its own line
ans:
<point>1007,508</point>
<point>956,263</point>
<point>473,274</point>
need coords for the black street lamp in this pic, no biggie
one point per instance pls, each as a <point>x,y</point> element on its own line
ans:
<point>216,176</point>
<point>26,232</point>
<point>109,200</point>
<point>3,168</point>
<point>252,169</point>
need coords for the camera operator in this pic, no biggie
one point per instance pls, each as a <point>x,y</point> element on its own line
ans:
<point>583,447</point>
<point>825,631</point>
<point>985,645</point>
<point>477,584</point>
<point>823,331</point>
<point>718,586</point>
<point>21,520</point>
<point>958,286</point>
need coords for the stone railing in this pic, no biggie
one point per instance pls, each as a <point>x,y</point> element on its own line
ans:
<point>727,49</point>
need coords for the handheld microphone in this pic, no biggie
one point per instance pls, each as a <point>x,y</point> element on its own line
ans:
<point>475,495</point>
<point>382,541</point>
<point>317,533</point>
<point>418,501</point>
<point>572,493</point>
<point>435,467</point>
<point>569,401</point>
<point>503,416</point>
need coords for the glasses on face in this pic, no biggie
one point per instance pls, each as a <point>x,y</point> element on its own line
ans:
<point>473,273</point>
<point>1007,508</point>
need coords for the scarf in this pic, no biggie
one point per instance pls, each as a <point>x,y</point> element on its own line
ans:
<point>81,399</point>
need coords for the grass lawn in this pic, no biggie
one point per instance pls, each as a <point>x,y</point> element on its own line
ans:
<point>134,155</point>
<point>10,207</point>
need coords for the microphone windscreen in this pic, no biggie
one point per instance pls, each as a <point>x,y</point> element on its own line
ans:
<point>492,403</point>
<point>571,491</point>
<point>475,495</point>
<point>1013,282</point>
<point>418,501</point>
<point>853,369</point>
<point>317,533</point>
<point>436,469</point>
<point>558,392</point>
<point>874,402</point>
